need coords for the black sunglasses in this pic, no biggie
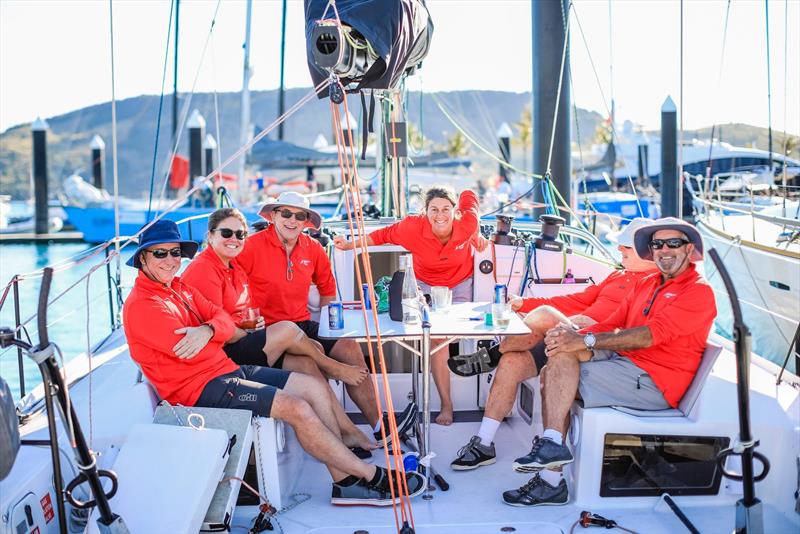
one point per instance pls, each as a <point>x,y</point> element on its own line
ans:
<point>673,242</point>
<point>227,233</point>
<point>286,214</point>
<point>161,253</point>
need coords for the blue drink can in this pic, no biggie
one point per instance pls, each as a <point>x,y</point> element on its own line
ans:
<point>335,316</point>
<point>365,292</point>
<point>500,293</point>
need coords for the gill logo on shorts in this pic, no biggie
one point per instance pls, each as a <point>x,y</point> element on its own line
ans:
<point>247,397</point>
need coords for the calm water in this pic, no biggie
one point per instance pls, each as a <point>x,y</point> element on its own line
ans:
<point>72,328</point>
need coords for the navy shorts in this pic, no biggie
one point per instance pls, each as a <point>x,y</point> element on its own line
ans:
<point>250,350</point>
<point>311,329</point>
<point>250,388</point>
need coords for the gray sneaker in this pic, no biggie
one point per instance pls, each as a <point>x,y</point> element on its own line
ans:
<point>473,455</point>
<point>537,492</point>
<point>364,492</point>
<point>545,454</point>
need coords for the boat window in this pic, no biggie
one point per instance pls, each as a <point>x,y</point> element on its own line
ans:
<point>637,465</point>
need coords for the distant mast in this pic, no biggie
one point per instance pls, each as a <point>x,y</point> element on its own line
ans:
<point>245,131</point>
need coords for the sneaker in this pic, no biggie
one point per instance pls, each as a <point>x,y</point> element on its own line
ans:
<point>361,453</point>
<point>537,492</point>
<point>363,492</point>
<point>404,422</point>
<point>545,454</point>
<point>473,455</point>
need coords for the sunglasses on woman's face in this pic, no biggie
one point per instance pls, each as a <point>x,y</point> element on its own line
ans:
<point>674,242</point>
<point>286,214</point>
<point>161,253</point>
<point>227,233</point>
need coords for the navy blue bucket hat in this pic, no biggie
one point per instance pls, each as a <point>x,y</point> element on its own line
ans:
<point>162,231</point>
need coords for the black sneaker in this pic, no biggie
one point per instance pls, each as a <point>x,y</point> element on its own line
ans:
<point>361,453</point>
<point>404,422</point>
<point>368,493</point>
<point>473,455</point>
<point>545,454</point>
<point>537,492</point>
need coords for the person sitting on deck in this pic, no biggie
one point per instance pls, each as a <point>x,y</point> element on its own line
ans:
<point>643,356</point>
<point>281,263</point>
<point>176,336</point>
<point>282,345</point>
<point>518,363</point>
<point>441,241</point>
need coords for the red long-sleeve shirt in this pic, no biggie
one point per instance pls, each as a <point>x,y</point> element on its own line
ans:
<point>680,313</point>
<point>222,285</point>
<point>597,301</point>
<point>152,312</point>
<point>280,294</point>
<point>434,263</point>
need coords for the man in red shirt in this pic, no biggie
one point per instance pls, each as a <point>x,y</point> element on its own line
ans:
<point>176,337</point>
<point>644,355</point>
<point>282,263</point>
<point>519,364</point>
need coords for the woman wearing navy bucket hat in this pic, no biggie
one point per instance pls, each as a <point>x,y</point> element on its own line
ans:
<point>176,336</point>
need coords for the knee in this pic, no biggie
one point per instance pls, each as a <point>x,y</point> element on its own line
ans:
<point>297,410</point>
<point>284,331</point>
<point>542,319</point>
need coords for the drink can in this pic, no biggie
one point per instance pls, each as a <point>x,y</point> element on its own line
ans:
<point>500,293</point>
<point>335,316</point>
<point>365,292</point>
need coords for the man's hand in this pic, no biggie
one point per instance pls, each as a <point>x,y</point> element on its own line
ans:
<point>342,244</point>
<point>479,242</point>
<point>515,302</point>
<point>238,334</point>
<point>194,339</point>
<point>563,339</point>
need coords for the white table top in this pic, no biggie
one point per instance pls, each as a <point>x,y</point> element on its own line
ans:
<point>455,322</point>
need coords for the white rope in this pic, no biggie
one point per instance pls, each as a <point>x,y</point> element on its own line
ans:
<point>114,157</point>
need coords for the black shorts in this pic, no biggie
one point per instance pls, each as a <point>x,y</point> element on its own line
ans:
<point>311,329</point>
<point>250,388</point>
<point>539,355</point>
<point>250,350</point>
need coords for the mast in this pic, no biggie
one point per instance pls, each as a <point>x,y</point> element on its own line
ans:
<point>281,88</point>
<point>175,75</point>
<point>245,131</point>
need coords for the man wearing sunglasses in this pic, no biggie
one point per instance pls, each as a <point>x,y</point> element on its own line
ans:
<point>643,356</point>
<point>282,263</point>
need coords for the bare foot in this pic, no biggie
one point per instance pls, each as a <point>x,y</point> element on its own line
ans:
<point>445,417</point>
<point>359,439</point>
<point>519,343</point>
<point>349,374</point>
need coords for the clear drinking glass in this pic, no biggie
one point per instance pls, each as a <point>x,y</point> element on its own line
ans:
<point>442,297</point>
<point>501,315</point>
<point>250,318</point>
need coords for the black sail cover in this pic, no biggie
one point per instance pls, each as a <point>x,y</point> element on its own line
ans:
<point>397,31</point>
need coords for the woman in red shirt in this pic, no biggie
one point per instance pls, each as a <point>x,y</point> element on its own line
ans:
<point>282,345</point>
<point>441,241</point>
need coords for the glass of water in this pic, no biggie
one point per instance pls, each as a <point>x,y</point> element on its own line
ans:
<point>501,315</point>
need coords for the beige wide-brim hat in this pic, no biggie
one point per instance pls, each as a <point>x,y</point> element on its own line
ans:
<point>624,236</point>
<point>292,199</point>
<point>643,236</point>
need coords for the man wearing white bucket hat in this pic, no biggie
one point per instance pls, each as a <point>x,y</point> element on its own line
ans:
<point>522,357</point>
<point>282,263</point>
<point>643,356</point>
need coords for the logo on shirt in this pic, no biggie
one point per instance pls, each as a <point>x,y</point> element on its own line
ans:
<point>305,262</point>
<point>462,245</point>
<point>670,295</point>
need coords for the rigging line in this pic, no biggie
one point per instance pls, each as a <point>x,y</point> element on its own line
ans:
<point>769,87</point>
<point>719,77</point>
<point>160,108</point>
<point>216,116</point>
<point>114,153</point>
<point>177,202</point>
<point>680,130</point>
<point>185,110</point>
<point>785,101</point>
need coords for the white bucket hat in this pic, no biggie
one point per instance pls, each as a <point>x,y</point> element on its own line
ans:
<point>624,236</point>
<point>292,199</point>
<point>643,236</point>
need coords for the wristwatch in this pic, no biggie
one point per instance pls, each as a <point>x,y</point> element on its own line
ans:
<point>589,340</point>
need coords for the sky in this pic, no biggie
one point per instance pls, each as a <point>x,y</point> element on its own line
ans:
<point>55,55</point>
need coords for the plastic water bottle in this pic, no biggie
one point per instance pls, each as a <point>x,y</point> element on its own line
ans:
<point>410,294</point>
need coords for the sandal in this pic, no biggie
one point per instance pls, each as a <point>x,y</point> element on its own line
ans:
<point>471,364</point>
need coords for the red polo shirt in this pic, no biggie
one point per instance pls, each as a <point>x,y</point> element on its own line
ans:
<point>152,312</point>
<point>280,299</point>
<point>222,285</point>
<point>597,301</point>
<point>434,263</point>
<point>680,313</point>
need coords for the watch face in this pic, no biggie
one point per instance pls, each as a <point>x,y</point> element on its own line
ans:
<point>589,340</point>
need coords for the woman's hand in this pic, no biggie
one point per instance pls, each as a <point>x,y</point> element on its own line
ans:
<point>515,302</point>
<point>342,244</point>
<point>260,323</point>
<point>479,242</point>
<point>193,341</point>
